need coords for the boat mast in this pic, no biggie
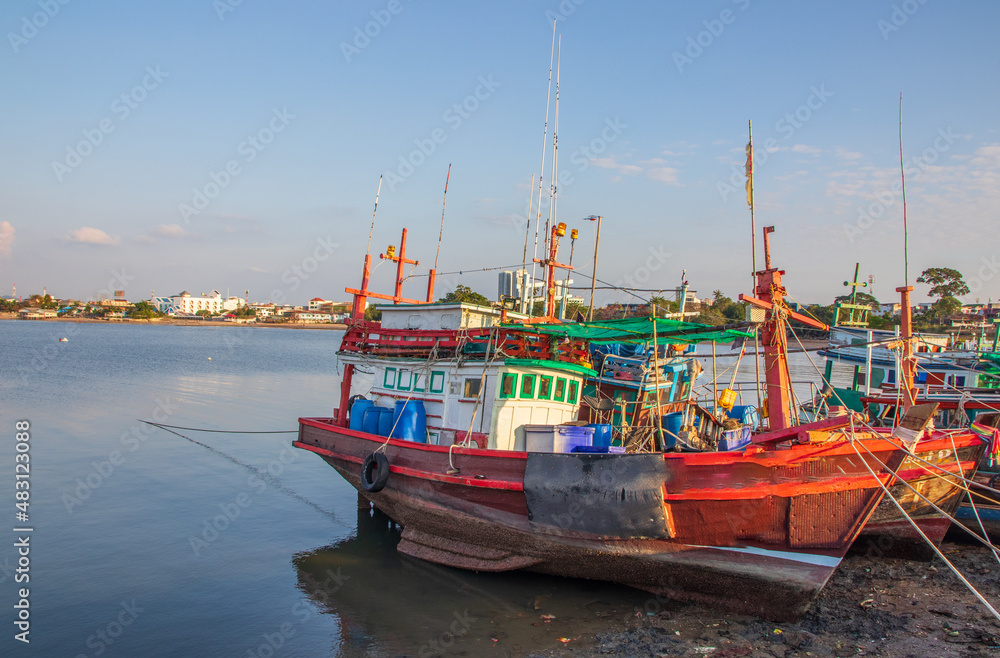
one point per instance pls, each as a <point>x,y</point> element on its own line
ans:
<point>361,300</point>
<point>771,297</point>
<point>541,170</point>
<point>550,289</point>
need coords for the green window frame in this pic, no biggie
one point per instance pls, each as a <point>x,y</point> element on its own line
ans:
<point>527,387</point>
<point>389,381</point>
<point>508,385</point>
<point>404,376</point>
<point>560,393</point>
<point>437,381</point>
<point>544,388</point>
<point>571,395</point>
<point>419,382</point>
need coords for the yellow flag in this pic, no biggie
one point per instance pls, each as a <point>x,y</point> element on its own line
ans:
<point>749,170</point>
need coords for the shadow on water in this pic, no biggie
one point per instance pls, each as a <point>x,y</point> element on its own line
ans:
<point>390,604</point>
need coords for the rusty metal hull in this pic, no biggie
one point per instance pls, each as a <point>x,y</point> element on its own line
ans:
<point>931,484</point>
<point>758,532</point>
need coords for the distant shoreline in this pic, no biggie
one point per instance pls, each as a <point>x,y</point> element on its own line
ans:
<point>173,322</point>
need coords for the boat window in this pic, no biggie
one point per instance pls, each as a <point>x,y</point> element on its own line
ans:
<point>437,381</point>
<point>571,398</point>
<point>472,388</point>
<point>528,386</point>
<point>419,382</point>
<point>508,385</point>
<point>405,379</point>
<point>544,388</point>
<point>389,381</point>
<point>560,394</point>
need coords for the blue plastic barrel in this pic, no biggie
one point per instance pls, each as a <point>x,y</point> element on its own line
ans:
<point>746,414</point>
<point>385,420</point>
<point>358,413</point>
<point>410,421</point>
<point>370,422</point>
<point>602,434</point>
<point>672,423</point>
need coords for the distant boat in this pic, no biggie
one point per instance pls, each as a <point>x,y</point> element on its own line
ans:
<point>64,340</point>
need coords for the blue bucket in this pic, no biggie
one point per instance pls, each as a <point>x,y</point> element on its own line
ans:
<point>602,434</point>
<point>746,414</point>
<point>410,421</point>
<point>358,413</point>
<point>672,423</point>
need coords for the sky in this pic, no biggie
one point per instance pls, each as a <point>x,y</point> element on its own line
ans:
<point>238,144</point>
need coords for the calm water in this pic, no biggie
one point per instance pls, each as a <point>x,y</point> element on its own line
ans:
<point>125,560</point>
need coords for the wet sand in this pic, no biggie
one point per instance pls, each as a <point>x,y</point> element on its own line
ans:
<point>871,607</point>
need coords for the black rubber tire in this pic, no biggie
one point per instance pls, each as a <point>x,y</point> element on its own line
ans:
<point>374,472</point>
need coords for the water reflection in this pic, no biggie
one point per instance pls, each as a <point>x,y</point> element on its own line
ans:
<point>390,604</point>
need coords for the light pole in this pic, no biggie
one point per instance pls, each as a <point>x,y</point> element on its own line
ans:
<point>593,280</point>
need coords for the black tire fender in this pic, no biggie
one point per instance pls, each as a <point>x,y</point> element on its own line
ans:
<point>374,472</point>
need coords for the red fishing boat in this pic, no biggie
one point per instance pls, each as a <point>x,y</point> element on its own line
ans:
<point>476,485</point>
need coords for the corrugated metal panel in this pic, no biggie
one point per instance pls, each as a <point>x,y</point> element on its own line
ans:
<point>825,521</point>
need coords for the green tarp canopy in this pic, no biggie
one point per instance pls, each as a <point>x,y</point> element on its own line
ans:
<point>634,330</point>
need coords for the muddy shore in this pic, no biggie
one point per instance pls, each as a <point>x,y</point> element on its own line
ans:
<point>871,607</point>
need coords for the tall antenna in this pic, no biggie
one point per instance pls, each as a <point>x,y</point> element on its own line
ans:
<point>553,181</point>
<point>443,200</point>
<point>372,229</point>
<point>902,178</point>
<point>527,230</point>
<point>541,169</point>
<point>753,229</point>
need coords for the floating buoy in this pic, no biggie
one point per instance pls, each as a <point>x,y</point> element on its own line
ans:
<point>209,358</point>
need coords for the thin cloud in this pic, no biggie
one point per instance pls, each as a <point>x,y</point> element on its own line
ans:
<point>668,175</point>
<point>90,235</point>
<point>611,163</point>
<point>6,239</point>
<point>170,231</point>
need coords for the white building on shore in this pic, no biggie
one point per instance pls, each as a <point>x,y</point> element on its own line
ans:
<point>185,303</point>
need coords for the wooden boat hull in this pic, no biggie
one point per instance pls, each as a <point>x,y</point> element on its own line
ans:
<point>888,533</point>
<point>756,532</point>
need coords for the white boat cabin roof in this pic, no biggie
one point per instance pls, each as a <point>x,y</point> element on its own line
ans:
<point>438,316</point>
